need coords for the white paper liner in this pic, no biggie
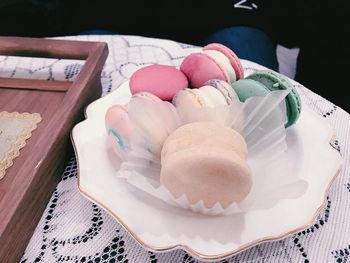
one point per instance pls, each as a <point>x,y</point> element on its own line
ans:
<point>260,120</point>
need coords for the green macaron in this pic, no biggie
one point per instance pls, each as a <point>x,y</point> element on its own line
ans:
<point>264,81</point>
<point>246,88</point>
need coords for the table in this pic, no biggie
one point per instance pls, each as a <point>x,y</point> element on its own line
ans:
<point>72,229</point>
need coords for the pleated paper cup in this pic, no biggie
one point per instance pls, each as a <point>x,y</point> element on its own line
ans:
<point>260,120</point>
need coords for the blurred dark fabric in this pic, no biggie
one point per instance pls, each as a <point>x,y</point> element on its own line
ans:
<point>318,28</point>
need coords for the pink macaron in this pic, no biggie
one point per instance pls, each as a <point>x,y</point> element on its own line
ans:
<point>215,61</point>
<point>161,80</point>
<point>199,68</point>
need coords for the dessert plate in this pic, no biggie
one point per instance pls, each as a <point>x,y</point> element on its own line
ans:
<point>161,227</point>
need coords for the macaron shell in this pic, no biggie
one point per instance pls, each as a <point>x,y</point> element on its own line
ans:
<point>153,121</point>
<point>187,98</point>
<point>206,161</point>
<point>224,62</point>
<point>119,128</point>
<point>246,88</point>
<point>210,96</point>
<point>161,80</point>
<point>202,133</point>
<point>199,68</point>
<point>208,174</point>
<point>293,107</point>
<point>206,96</point>
<point>147,95</point>
<point>117,118</point>
<point>235,61</point>
<point>226,89</point>
<point>293,101</point>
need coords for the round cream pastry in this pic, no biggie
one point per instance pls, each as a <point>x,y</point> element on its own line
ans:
<point>206,161</point>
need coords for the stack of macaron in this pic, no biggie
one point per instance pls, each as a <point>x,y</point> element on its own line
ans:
<point>215,64</point>
<point>192,163</point>
<point>216,92</point>
<point>214,61</point>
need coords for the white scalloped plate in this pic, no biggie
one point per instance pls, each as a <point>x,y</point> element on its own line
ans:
<point>160,227</point>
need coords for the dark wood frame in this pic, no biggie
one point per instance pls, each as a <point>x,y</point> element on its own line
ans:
<point>29,183</point>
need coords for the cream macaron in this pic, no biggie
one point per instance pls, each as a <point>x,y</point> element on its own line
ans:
<point>214,93</point>
<point>206,161</point>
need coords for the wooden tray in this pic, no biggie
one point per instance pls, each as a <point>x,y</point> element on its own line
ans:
<point>29,183</point>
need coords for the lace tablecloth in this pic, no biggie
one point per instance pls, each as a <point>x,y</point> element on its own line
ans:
<point>72,229</point>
